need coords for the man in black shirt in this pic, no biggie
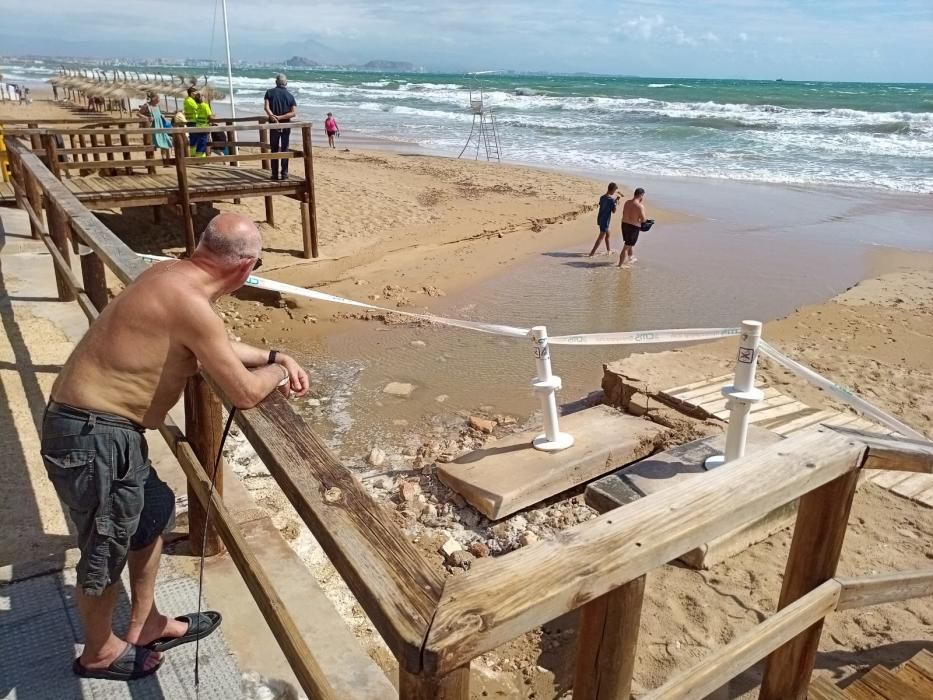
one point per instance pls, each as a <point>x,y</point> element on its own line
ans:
<point>280,108</point>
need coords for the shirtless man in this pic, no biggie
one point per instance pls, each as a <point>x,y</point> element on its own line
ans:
<point>633,216</point>
<point>124,375</point>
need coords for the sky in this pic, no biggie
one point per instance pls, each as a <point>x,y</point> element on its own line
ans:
<point>859,40</point>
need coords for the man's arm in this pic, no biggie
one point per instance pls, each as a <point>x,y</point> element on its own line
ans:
<point>202,332</point>
<point>292,112</point>
<point>642,214</point>
<point>269,113</point>
<point>252,356</point>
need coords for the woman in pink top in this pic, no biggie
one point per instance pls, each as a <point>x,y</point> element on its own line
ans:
<point>330,126</point>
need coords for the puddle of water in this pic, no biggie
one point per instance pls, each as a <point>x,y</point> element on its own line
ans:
<point>706,273</point>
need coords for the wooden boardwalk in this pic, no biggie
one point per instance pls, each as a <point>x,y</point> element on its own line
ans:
<point>205,183</point>
<point>784,415</point>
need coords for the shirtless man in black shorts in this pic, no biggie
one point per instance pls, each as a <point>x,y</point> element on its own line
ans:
<point>633,216</point>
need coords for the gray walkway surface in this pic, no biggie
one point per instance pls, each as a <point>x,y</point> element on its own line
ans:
<point>40,636</point>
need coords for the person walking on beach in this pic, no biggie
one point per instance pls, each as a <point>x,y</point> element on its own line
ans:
<point>607,207</point>
<point>281,108</point>
<point>332,129</point>
<point>152,113</point>
<point>633,216</point>
<point>122,378</point>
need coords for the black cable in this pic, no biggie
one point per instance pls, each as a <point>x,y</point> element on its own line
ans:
<point>207,519</point>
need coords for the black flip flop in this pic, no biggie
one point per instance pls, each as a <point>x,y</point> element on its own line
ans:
<point>199,626</point>
<point>128,666</point>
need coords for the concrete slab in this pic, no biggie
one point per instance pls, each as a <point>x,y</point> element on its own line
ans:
<point>510,475</point>
<point>674,466</point>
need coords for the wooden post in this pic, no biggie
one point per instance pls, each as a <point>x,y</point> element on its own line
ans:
<point>34,196</point>
<point>181,151</point>
<point>309,206</point>
<point>74,159</point>
<point>82,141</point>
<point>108,141</point>
<point>454,686</point>
<point>125,141</point>
<point>50,144</point>
<point>157,214</point>
<point>59,231</point>
<point>94,144</point>
<point>231,145</point>
<point>203,428</point>
<point>148,142</point>
<point>270,211</point>
<point>34,139</point>
<point>606,643</point>
<point>264,144</point>
<point>94,276</point>
<point>822,518</point>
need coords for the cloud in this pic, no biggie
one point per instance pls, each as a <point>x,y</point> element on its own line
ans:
<point>645,26</point>
<point>681,38</point>
<point>743,36</point>
<point>710,38</point>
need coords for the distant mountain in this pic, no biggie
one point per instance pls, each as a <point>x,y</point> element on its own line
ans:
<point>390,66</point>
<point>301,62</point>
<point>322,53</point>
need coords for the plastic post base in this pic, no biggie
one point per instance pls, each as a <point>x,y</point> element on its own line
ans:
<point>563,441</point>
<point>714,461</point>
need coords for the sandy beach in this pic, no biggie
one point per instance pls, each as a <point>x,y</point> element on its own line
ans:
<point>506,243</point>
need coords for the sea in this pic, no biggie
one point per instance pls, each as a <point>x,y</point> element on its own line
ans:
<point>863,135</point>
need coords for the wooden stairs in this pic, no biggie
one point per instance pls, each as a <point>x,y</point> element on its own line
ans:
<point>912,680</point>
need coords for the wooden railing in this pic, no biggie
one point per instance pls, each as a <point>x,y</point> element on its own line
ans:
<point>110,150</point>
<point>435,627</point>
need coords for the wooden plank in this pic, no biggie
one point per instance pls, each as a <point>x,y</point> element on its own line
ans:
<point>675,392</point>
<point>515,475</point>
<point>887,686</point>
<point>203,428</point>
<point>725,663</point>
<point>60,233</point>
<point>859,591</point>
<point>811,562</point>
<point>840,419</point>
<point>607,643</point>
<point>396,587</point>
<point>717,403</point>
<point>454,686</point>
<point>916,679</point>
<point>691,397</point>
<point>94,277</point>
<point>822,689</point>
<point>923,660</point>
<point>181,143</point>
<point>499,600</point>
<point>800,423</point>
<point>890,452</point>
<point>913,485</point>
<point>777,412</point>
<point>300,658</point>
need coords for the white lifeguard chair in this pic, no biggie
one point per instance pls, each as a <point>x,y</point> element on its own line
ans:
<point>484,137</point>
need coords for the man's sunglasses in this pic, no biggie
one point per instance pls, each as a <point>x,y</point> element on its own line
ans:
<point>257,264</point>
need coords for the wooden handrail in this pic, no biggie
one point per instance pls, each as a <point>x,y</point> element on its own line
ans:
<point>860,591</point>
<point>725,663</point>
<point>498,600</point>
<point>258,126</point>
<point>894,453</point>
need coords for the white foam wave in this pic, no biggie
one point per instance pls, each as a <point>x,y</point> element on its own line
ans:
<point>661,85</point>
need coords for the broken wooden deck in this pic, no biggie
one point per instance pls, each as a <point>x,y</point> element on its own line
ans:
<point>785,415</point>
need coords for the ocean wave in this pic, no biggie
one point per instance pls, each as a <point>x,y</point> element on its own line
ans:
<point>661,85</point>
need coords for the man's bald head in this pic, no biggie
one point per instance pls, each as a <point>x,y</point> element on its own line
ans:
<point>229,239</point>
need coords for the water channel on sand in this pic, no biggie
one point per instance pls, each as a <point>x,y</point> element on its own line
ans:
<point>752,251</point>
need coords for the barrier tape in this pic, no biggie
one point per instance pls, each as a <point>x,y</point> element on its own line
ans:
<point>840,392</point>
<point>673,335</point>
<point>670,335</point>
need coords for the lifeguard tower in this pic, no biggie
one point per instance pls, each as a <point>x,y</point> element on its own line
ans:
<point>484,137</point>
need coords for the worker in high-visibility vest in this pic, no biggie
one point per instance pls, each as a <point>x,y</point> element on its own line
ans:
<point>191,117</point>
<point>4,160</point>
<point>202,120</point>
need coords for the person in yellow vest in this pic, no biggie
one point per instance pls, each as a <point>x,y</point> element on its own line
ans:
<point>191,117</point>
<point>203,119</point>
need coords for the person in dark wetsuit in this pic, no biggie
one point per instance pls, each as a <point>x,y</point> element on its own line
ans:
<point>607,206</point>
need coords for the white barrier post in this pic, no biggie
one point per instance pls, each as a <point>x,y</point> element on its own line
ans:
<point>545,385</point>
<point>741,394</point>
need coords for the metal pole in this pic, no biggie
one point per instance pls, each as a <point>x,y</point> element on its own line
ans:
<point>742,394</point>
<point>545,385</point>
<point>229,64</point>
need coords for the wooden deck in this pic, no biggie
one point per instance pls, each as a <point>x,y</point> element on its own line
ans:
<point>205,183</point>
<point>6,193</point>
<point>784,415</point>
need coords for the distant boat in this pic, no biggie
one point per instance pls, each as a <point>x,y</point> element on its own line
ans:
<point>779,80</point>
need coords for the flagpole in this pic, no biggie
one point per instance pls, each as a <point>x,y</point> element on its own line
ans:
<point>229,64</point>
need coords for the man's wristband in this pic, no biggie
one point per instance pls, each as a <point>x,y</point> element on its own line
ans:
<point>272,355</point>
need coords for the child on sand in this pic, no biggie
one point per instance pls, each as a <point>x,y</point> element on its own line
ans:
<point>332,129</point>
<point>607,206</point>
